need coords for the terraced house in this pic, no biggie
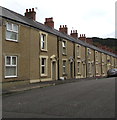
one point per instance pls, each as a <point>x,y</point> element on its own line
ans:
<point>34,52</point>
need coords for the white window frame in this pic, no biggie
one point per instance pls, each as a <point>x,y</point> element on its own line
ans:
<point>46,65</point>
<point>64,47</point>
<point>64,66</point>
<point>10,65</point>
<point>88,51</point>
<point>43,41</point>
<point>78,67</point>
<point>103,58</point>
<point>89,67</point>
<point>13,31</point>
<point>78,51</point>
<point>96,56</point>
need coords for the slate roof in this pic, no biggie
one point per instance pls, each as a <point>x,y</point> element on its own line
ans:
<point>11,15</point>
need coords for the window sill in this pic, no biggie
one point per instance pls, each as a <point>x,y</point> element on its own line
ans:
<point>78,73</point>
<point>64,74</point>
<point>11,76</point>
<point>42,50</point>
<point>11,40</point>
<point>64,54</point>
<point>43,75</point>
<point>78,57</point>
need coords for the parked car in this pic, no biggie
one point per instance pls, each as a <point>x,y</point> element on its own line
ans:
<point>112,72</point>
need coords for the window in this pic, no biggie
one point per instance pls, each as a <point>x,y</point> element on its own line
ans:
<point>96,69</point>
<point>11,32</point>
<point>89,67</point>
<point>10,66</point>
<point>78,51</point>
<point>78,67</point>
<point>96,56</point>
<point>64,66</point>
<point>64,47</point>
<point>102,58</point>
<point>89,52</point>
<point>43,42</point>
<point>43,66</point>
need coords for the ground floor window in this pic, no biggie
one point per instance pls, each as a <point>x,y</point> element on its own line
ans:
<point>43,69</point>
<point>64,66</point>
<point>10,66</point>
<point>78,67</point>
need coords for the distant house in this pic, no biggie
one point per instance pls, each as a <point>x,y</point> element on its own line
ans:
<point>34,52</point>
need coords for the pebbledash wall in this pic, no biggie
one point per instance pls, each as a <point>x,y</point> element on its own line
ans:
<point>34,52</point>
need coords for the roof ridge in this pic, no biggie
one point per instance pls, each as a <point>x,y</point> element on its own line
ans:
<point>36,24</point>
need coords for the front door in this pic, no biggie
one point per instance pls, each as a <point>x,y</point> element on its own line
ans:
<point>71,69</point>
<point>53,70</point>
<point>83,71</point>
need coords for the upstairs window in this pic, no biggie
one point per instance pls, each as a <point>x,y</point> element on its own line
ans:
<point>102,57</point>
<point>88,53</point>
<point>10,66</point>
<point>43,42</point>
<point>64,47</point>
<point>78,50</point>
<point>11,32</point>
<point>96,56</point>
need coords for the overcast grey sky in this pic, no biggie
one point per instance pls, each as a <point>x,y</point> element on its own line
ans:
<point>95,18</point>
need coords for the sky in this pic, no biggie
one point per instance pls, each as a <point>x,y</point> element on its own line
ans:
<point>94,18</point>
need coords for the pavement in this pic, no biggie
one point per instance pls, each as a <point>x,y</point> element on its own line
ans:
<point>29,86</point>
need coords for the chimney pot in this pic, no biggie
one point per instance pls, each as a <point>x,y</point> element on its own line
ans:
<point>63,28</point>
<point>74,33</point>
<point>30,14</point>
<point>33,9</point>
<point>49,22</point>
<point>26,10</point>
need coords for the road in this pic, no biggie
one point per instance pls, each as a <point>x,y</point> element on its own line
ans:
<point>83,99</point>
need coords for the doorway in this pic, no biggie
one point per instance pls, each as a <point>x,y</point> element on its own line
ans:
<point>53,70</point>
<point>71,70</point>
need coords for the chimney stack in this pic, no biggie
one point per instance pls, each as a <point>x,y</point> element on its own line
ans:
<point>63,29</point>
<point>30,14</point>
<point>49,22</point>
<point>74,33</point>
<point>82,37</point>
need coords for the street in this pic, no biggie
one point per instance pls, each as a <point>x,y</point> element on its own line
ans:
<point>83,99</point>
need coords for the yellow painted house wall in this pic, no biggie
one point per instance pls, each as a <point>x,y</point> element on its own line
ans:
<point>112,62</point>
<point>108,62</point>
<point>115,62</point>
<point>20,49</point>
<point>66,57</point>
<point>1,66</point>
<point>51,55</point>
<point>98,65</point>
<point>104,64</point>
<point>80,61</point>
<point>90,62</point>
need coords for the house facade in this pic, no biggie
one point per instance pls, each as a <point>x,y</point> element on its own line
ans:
<point>35,52</point>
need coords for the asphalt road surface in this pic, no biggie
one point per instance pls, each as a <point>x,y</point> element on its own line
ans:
<point>83,99</point>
